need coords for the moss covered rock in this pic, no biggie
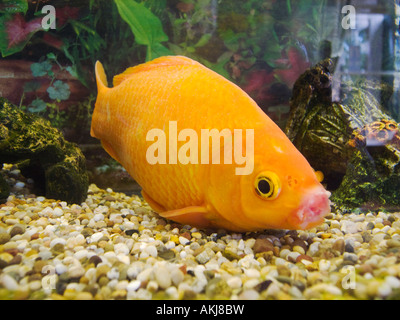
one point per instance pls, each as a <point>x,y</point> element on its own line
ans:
<point>352,140</point>
<point>57,166</point>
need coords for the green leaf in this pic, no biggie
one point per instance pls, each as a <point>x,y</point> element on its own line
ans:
<point>59,91</point>
<point>157,50</point>
<point>51,56</point>
<point>219,67</point>
<point>14,6</point>
<point>37,105</point>
<point>144,24</point>
<point>72,71</point>
<point>203,40</point>
<point>289,7</point>
<point>175,49</point>
<point>40,69</point>
<point>32,86</point>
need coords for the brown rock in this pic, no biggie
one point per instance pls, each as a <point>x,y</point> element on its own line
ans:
<point>262,245</point>
<point>339,245</point>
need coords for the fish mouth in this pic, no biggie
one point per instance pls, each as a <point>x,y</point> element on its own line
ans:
<point>314,206</point>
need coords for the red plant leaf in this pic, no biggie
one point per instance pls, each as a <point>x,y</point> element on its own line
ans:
<point>18,29</point>
<point>258,79</point>
<point>66,13</point>
<point>53,41</point>
<point>298,64</point>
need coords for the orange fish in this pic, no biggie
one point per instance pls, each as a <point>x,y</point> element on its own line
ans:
<point>261,182</point>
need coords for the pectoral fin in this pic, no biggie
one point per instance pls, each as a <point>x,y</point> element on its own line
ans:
<point>195,215</point>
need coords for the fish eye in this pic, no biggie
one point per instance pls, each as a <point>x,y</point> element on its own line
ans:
<point>267,185</point>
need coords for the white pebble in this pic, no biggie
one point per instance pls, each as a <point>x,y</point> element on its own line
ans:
<point>324,265</point>
<point>98,217</point>
<point>151,250</point>
<point>163,277</point>
<point>19,185</point>
<point>292,256</point>
<point>284,253</point>
<point>252,273</point>
<point>133,285</point>
<point>123,258</point>
<point>183,241</point>
<point>133,271</point>
<point>35,285</point>
<point>393,282</point>
<point>96,236</point>
<point>81,254</point>
<point>280,261</point>
<point>234,282</point>
<point>145,275</point>
<point>349,226</point>
<point>152,286</point>
<point>313,248</point>
<point>384,290</point>
<point>58,212</point>
<point>172,293</point>
<point>121,248</point>
<point>177,276</point>
<point>76,272</point>
<point>113,274</point>
<point>60,268</point>
<point>249,295</point>
<point>9,282</point>
<point>170,244</point>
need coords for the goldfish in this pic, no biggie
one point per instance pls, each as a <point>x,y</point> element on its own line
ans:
<point>279,189</point>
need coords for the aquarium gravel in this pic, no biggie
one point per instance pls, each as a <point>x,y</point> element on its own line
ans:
<point>113,246</point>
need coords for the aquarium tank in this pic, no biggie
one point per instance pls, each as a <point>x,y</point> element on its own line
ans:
<point>111,188</point>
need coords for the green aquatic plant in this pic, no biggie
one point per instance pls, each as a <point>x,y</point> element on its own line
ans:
<point>56,91</point>
<point>145,26</point>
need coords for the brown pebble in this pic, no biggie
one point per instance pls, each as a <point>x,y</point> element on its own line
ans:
<point>339,245</point>
<point>365,268</point>
<point>186,235</point>
<point>4,237</point>
<point>3,264</point>
<point>300,243</point>
<point>39,265</point>
<point>35,236</point>
<point>304,257</point>
<point>109,198</point>
<point>12,251</point>
<point>87,232</point>
<point>16,260</point>
<point>95,260</point>
<point>183,269</point>
<point>16,230</point>
<point>283,271</point>
<point>262,245</point>
<point>161,222</point>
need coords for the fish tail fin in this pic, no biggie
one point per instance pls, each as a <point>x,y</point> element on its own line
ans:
<point>101,112</point>
<point>101,80</point>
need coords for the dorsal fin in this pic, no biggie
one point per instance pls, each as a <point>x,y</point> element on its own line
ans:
<point>166,61</point>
